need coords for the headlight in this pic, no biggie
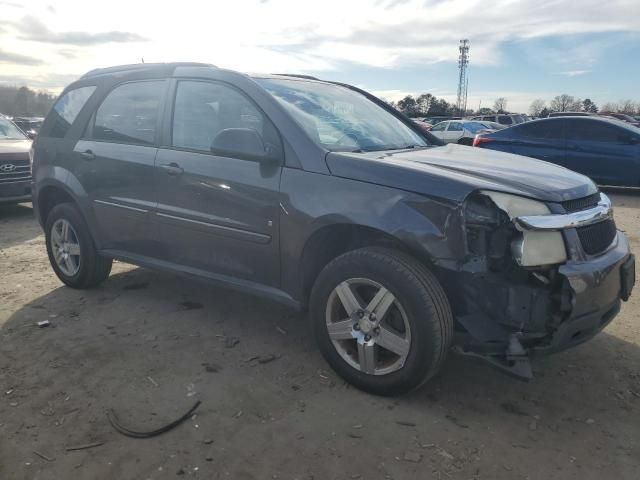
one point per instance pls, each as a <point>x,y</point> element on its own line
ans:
<point>532,248</point>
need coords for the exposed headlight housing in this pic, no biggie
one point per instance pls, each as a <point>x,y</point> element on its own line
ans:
<point>531,248</point>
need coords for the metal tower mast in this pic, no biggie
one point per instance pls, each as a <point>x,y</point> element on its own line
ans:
<point>463,81</point>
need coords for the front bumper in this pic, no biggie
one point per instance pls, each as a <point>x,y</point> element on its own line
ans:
<point>597,287</point>
<point>15,192</point>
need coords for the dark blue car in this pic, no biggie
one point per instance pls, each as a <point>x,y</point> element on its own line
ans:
<point>608,151</point>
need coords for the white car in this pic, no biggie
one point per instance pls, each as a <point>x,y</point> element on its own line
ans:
<point>460,131</point>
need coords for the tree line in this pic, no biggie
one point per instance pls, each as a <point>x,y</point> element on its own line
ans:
<point>24,102</point>
<point>427,104</point>
<point>569,103</point>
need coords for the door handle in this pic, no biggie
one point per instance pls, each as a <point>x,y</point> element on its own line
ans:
<point>87,155</point>
<point>172,169</point>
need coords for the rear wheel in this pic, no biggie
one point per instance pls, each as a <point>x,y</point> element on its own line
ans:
<point>71,250</point>
<point>381,320</point>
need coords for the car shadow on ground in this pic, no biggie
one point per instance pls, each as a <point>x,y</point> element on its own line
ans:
<point>17,224</point>
<point>149,344</point>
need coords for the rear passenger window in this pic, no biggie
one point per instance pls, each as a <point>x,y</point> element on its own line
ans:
<point>588,130</point>
<point>505,120</point>
<point>129,114</point>
<point>545,129</point>
<point>65,111</point>
<point>204,110</point>
<point>455,127</point>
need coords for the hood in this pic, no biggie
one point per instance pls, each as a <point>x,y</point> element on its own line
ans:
<point>454,171</point>
<point>14,146</point>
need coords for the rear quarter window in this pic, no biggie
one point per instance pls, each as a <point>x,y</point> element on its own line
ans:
<point>66,110</point>
<point>545,129</point>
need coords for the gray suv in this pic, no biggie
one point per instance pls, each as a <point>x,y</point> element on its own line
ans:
<point>321,196</point>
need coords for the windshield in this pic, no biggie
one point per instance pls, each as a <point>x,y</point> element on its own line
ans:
<point>340,119</point>
<point>9,131</point>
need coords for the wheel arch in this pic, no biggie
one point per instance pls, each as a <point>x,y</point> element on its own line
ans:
<point>331,241</point>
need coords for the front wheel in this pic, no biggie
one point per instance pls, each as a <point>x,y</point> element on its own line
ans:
<point>71,250</point>
<point>381,319</point>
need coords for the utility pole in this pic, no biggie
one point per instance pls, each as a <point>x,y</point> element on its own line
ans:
<point>463,80</point>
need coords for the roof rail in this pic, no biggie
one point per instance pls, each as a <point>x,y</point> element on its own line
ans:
<point>296,75</point>
<point>142,66</point>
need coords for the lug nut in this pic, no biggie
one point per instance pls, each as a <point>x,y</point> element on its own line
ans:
<point>367,338</point>
<point>376,330</point>
<point>356,327</point>
<point>360,314</point>
<point>372,317</point>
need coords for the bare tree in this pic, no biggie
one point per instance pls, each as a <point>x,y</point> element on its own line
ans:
<point>565,103</point>
<point>627,106</point>
<point>536,107</point>
<point>500,105</point>
<point>610,107</point>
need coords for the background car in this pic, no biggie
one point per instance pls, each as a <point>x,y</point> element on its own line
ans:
<point>623,117</point>
<point>439,118</point>
<point>503,118</point>
<point>29,125</point>
<point>460,131</point>
<point>424,126</point>
<point>608,151</point>
<point>15,170</point>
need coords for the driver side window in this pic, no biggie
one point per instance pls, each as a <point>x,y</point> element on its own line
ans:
<point>439,127</point>
<point>204,111</point>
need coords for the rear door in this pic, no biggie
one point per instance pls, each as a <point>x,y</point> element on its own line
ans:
<point>454,132</point>
<point>603,151</point>
<point>218,213</point>
<point>542,139</point>
<point>116,165</point>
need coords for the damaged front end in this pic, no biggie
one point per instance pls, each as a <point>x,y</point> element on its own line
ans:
<point>537,277</point>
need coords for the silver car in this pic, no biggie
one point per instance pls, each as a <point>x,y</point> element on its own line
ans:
<point>460,131</point>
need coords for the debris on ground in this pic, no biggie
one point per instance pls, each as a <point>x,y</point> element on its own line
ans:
<point>84,446</point>
<point>113,419</point>
<point>406,423</point>
<point>281,330</point>
<point>43,456</point>
<point>154,383</point>
<point>267,358</point>
<point>412,457</point>
<point>230,342</point>
<point>211,367</point>
<point>43,323</point>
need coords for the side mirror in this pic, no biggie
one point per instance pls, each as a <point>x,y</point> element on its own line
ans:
<point>243,143</point>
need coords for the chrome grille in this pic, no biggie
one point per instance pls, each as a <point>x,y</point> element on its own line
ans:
<point>597,237</point>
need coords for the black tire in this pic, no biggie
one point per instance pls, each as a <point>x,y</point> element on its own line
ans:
<point>422,298</point>
<point>93,268</point>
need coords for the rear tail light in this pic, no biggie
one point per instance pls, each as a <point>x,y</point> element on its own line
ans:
<point>478,140</point>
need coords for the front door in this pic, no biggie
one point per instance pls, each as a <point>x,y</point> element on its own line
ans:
<point>217,213</point>
<point>116,163</point>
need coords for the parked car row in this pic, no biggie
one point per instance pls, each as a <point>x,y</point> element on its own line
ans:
<point>604,149</point>
<point>462,131</point>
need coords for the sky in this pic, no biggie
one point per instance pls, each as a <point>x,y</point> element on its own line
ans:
<point>520,49</point>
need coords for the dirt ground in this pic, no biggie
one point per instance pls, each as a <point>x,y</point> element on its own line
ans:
<point>149,345</point>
